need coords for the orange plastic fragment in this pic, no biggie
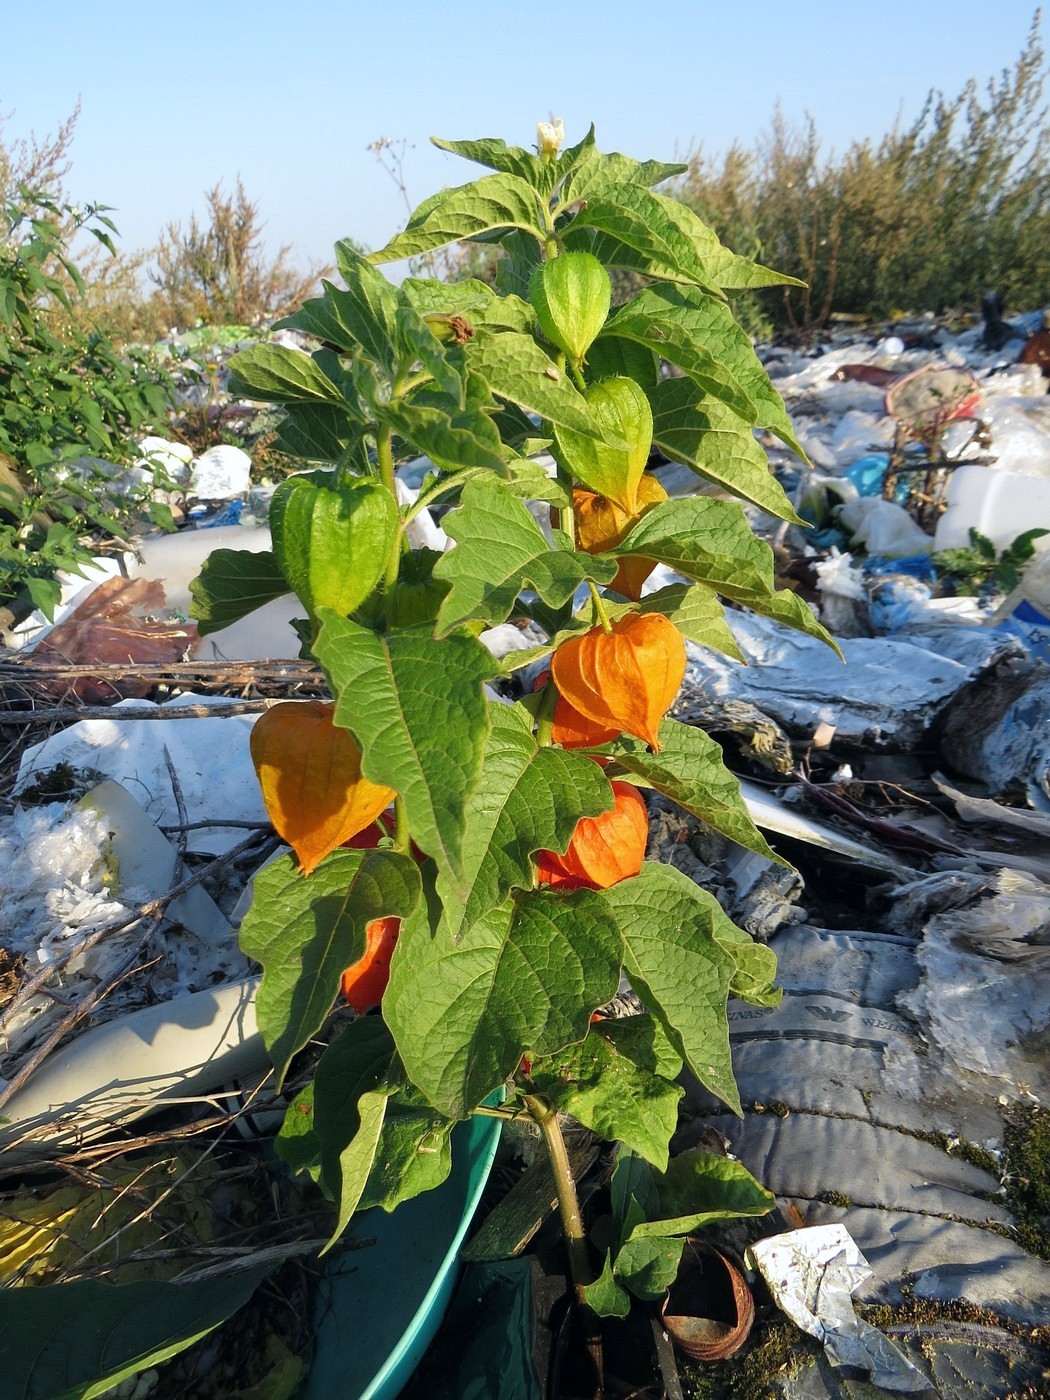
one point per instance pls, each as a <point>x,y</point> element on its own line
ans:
<point>625,678</point>
<point>364,983</point>
<point>601,524</point>
<point>603,850</point>
<point>309,770</point>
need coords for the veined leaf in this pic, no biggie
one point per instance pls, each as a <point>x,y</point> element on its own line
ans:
<point>452,440</point>
<point>620,1083</point>
<point>354,1079</point>
<point>692,427</point>
<point>475,301</point>
<point>516,369</point>
<point>604,1295</point>
<point>700,1188</point>
<point>698,333</point>
<point>494,201</point>
<point>678,967</point>
<point>317,432</point>
<point>596,172</point>
<point>274,374</point>
<point>499,551</point>
<point>636,219</point>
<point>414,1153</point>
<point>415,340</point>
<point>526,977</point>
<point>76,1341</point>
<point>305,932</point>
<point>529,800</point>
<point>418,712</point>
<point>361,315</point>
<point>690,771</point>
<point>497,155</point>
<point>756,967</point>
<point>711,541</point>
<point>231,584</point>
<point>649,1265</point>
<point>727,270</point>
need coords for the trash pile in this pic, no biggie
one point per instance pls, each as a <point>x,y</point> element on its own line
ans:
<point>891,1095</point>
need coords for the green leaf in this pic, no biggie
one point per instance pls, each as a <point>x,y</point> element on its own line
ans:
<point>611,356</point>
<point>46,594</point>
<point>637,221</point>
<point>700,1189</point>
<point>274,374</point>
<point>414,1153</point>
<point>529,799</point>
<point>689,769</point>
<point>497,155</point>
<point>354,1080</point>
<point>597,172</point>
<point>231,584</point>
<point>690,426</point>
<point>332,543</point>
<point>711,541</point>
<point>416,341</point>
<point>649,1265</point>
<point>516,369</point>
<point>698,333</point>
<point>499,551</point>
<point>526,977</point>
<point>305,931</point>
<point>418,712</point>
<point>316,432</point>
<point>619,1083</point>
<point>678,968</point>
<point>530,481</point>
<point>727,270</point>
<point>756,967</point>
<point>452,440</point>
<point>296,1143</point>
<point>75,1341</point>
<point>494,201</point>
<point>605,1295</point>
<point>475,301</point>
<point>359,315</point>
<point>632,1191</point>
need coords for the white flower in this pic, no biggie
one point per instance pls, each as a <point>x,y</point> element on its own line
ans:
<point>549,136</point>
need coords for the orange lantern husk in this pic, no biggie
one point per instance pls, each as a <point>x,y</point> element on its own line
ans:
<point>309,770</point>
<point>572,730</point>
<point>603,850</point>
<point>364,983</point>
<point>625,678</point>
<point>601,524</point>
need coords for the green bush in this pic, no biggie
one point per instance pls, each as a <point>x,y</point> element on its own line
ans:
<point>65,394</point>
<point>929,218</point>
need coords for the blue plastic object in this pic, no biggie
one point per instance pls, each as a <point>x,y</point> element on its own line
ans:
<point>866,473</point>
<point>379,1308</point>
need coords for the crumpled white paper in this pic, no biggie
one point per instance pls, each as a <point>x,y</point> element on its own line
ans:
<point>812,1275</point>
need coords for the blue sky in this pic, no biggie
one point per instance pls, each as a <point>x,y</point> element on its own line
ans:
<point>176,97</point>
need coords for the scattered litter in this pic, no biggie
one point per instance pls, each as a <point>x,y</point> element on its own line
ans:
<point>220,474</point>
<point>813,1275</point>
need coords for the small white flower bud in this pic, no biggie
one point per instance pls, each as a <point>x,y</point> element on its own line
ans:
<point>549,136</point>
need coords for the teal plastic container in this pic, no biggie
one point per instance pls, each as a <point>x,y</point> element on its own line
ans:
<point>378,1309</point>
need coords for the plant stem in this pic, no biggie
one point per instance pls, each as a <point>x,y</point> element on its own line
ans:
<point>599,608</point>
<point>385,453</point>
<point>545,714</point>
<point>546,1120</point>
<point>401,837</point>
<point>578,378</point>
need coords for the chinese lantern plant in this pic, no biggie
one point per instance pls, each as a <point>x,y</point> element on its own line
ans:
<point>509,878</point>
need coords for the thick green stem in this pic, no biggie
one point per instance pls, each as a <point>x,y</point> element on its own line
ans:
<point>385,453</point>
<point>402,839</point>
<point>599,608</point>
<point>578,378</point>
<point>545,714</point>
<point>568,1203</point>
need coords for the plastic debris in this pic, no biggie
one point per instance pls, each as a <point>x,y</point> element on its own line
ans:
<point>813,1275</point>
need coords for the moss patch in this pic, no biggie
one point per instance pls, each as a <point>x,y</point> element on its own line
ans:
<point>774,1352</point>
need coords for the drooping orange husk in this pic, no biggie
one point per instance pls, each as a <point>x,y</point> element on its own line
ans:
<point>626,678</point>
<point>572,730</point>
<point>603,850</point>
<point>364,983</point>
<point>601,524</point>
<point>309,770</point>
